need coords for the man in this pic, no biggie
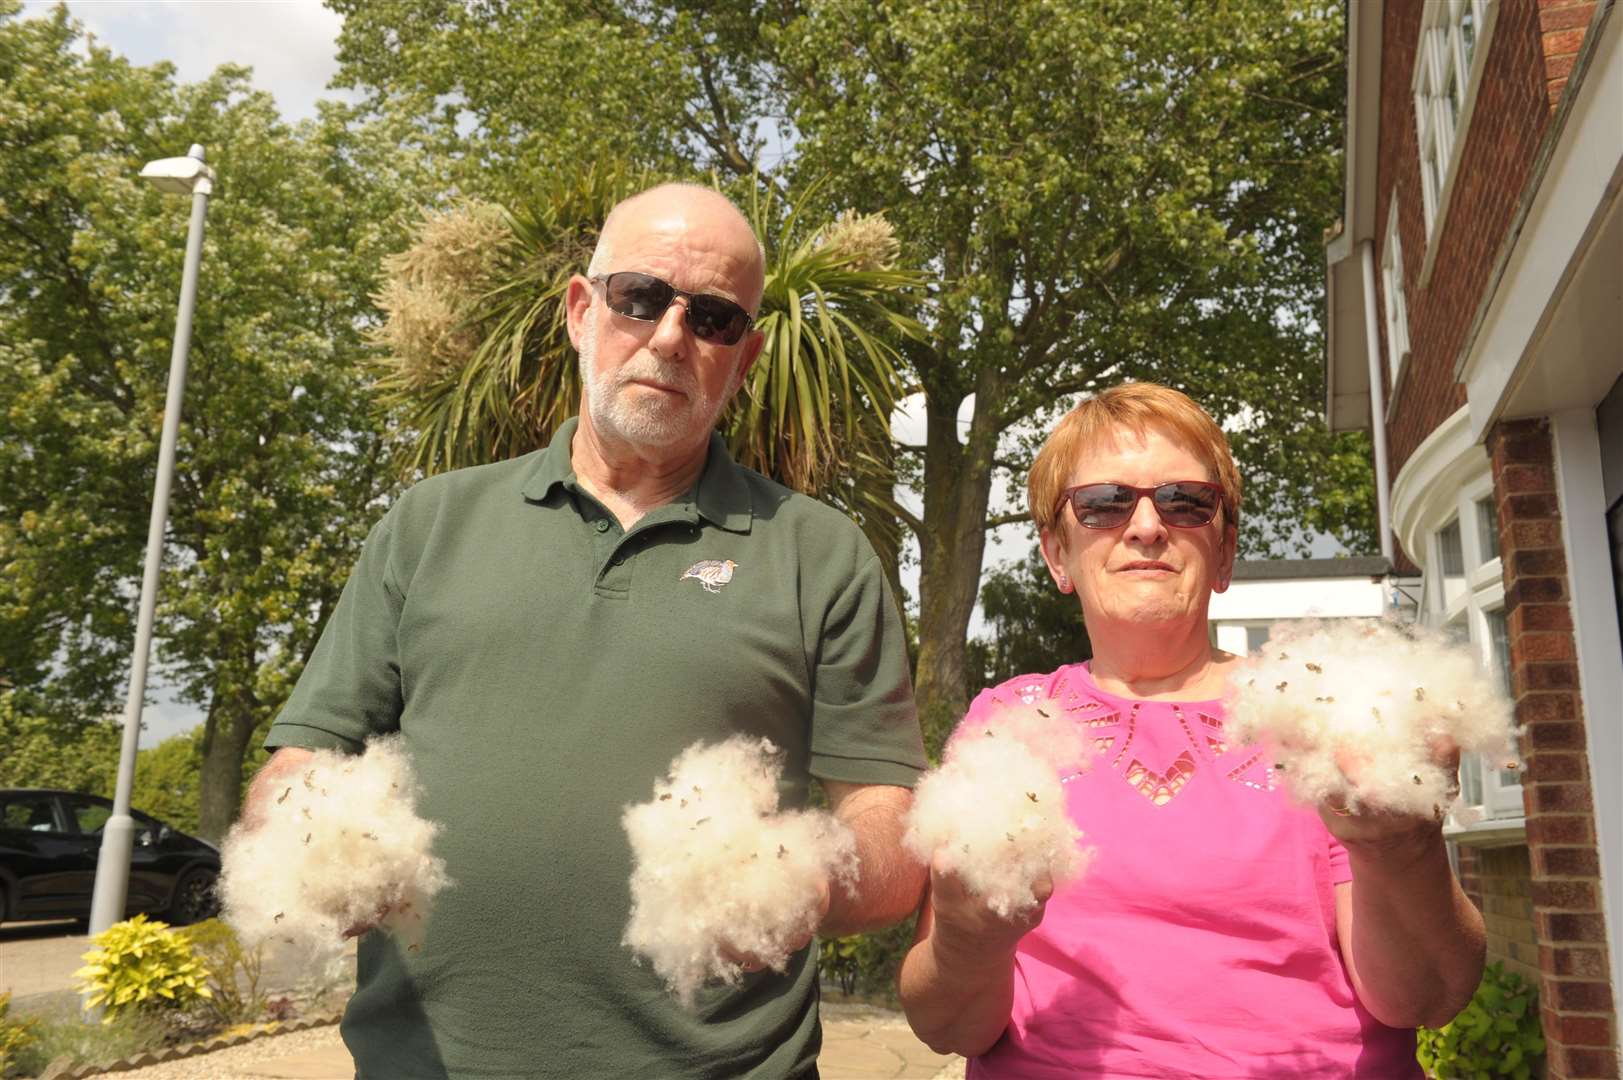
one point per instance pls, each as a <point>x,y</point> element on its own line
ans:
<point>550,632</point>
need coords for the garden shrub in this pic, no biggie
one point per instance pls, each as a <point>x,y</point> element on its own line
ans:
<point>83,1042</point>
<point>234,972</point>
<point>866,964</point>
<point>16,1036</point>
<point>141,964</point>
<point>1497,1034</point>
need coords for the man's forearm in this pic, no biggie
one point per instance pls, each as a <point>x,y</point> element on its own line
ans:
<point>891,881</point>
<point>1417,942</point>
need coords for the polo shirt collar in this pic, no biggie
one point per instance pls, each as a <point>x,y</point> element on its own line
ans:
<point>722,498</point>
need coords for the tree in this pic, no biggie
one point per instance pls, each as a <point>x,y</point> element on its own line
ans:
<point>39,751</point>
<point>281,463</point>
<point>1101,191</point>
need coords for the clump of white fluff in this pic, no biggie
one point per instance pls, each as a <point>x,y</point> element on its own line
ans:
<point>1374,696</point>
<point>995,809</point>
<point>716,867</point>
<point>339,843</point>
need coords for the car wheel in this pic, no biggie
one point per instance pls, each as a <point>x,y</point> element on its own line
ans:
<point>194,898</point>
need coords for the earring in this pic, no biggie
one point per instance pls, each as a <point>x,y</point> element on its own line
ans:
<point>1064,583</point>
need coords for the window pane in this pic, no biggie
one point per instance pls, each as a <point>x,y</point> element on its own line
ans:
<point>1468,33</point>
<point>1448,541</point>
<point>1453,95</point>
<point>1256,637</point>
<point>1488,526</point>
<point>1471,779</point>
<point>1499,647</point>
<point>91,816</point>
<point>29,814</point>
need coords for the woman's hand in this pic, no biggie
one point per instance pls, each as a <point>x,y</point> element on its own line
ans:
<point>969,932</point>
<point>1372,829</point>
<point>957,981</point>
<point>1412,942</point>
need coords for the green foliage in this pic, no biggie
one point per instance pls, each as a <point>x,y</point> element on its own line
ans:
<point>141,964</point>
<point>39,752</point>
<point>1034,626</point>
<point>234,973</point>
<point>17,1035</point>
<point>36,751</point>
<point>87,1043</point>
<point>866,965</point>
<point>1497,1034</point>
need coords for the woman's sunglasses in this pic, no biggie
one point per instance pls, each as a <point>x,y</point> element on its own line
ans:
<point>1182,504</point>
<point>644,297</point>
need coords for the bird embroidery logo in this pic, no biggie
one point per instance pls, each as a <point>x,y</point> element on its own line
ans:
<point>711,573</point>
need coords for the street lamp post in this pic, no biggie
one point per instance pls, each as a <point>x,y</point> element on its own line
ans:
<point>179,176</point>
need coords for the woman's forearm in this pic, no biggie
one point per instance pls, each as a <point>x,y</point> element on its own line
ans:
<point>1416,941</point>
<point>956,1004</point>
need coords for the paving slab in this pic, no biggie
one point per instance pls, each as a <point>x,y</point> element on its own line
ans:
<point>872,1044</point>
<point>40,957</point>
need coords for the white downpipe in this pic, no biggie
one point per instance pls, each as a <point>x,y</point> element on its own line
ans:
<point>1377,403</point>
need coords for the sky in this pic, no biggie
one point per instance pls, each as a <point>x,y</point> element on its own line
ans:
<point>290,44</point>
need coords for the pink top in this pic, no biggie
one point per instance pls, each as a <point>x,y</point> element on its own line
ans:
<point>1201,942</point>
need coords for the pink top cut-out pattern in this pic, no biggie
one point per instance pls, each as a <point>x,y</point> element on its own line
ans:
<point>1201,942</point>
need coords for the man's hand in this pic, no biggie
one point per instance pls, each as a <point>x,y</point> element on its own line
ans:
<point>752,963</point>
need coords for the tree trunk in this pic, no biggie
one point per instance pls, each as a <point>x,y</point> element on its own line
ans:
<point>957,490</point>
<point>226,734</point>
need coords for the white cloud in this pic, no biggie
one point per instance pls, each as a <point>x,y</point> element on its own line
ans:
<point>290,44</point>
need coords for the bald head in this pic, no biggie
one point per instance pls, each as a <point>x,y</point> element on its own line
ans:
<point>684,214</point>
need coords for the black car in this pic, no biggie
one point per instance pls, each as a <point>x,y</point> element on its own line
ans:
<point>49,842</point>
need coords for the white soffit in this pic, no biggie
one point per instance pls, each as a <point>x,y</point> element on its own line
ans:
<point>1550,337</point>
<point>1346,349</point>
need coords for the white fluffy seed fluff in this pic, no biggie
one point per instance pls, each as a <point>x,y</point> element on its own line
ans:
<point>340,842</point>
<point>717,867</point>
<point>1372,698</point>
<point>995,809</point>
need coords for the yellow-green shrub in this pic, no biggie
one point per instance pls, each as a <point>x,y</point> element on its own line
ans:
<point>141,964</point>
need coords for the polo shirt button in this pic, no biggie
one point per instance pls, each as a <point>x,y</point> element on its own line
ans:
<point>602,526</point>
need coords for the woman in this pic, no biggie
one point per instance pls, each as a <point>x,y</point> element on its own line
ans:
<point>1219,931</point>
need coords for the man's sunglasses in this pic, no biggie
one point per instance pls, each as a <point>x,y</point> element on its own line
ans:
<point>645,298</point>
<point>1182,504</point>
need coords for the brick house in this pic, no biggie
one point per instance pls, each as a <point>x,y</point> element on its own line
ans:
<point>1475,327</point>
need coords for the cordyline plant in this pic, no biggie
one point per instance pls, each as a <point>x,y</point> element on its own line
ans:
<point>476,359</point>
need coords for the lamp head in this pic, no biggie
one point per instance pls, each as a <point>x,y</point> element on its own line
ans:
<point>181,175</point>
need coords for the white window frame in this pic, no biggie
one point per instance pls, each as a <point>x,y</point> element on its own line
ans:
<point>1499,814</point>
<point>1444,88</point>
<point>1394,302</point>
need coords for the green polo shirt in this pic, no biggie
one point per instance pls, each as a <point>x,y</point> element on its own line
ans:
<point>545,667</point>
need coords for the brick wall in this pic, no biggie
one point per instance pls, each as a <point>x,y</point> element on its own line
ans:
<point>1508,122</point>
<point>1499,881</point>
<point>1575,992</point>
<point>1562,25</point>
